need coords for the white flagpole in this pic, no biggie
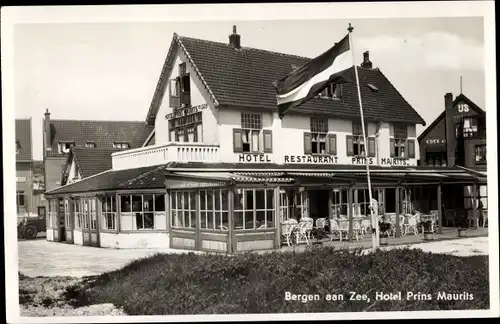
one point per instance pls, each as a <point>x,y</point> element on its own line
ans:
<point>375,241</point>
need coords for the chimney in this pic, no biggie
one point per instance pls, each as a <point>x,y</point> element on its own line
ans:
<point>366,60</point>
<point>451,141</point>
<point>235,39</point>
<point>46,134</point>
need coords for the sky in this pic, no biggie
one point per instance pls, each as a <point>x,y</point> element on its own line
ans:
<point>109,71</point>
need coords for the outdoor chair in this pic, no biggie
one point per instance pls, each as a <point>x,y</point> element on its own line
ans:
<point>302,232</point>
<point>321,223</point>
<point>449,216</point>
<point>344,227</point>
<point>287,229</point>
<point>485,217</point>
<point>357,229</point>
<point>471,218</point>
<point>412,225</point>
<point>366,225</point>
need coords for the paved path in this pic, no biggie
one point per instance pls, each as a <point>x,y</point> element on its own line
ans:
<point>42,258</point>
<point>49,259</point>
<point>458,247</point>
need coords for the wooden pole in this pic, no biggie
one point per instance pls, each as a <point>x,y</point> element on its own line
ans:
<point>474,205</point>
<point>440,210</point>
<point>349,212</point>
<point>373,217</point>
<point>230,219</point>
<point>398,230</point>
<point>277,217</point>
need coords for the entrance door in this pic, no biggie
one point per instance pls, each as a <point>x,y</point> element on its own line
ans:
<point>68,225</point>
<point>86,221</point>
<point>284,211</point>
<point>318,200</point>
<point>93,217</point>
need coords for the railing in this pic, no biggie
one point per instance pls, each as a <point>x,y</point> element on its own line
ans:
<point>161,154</point>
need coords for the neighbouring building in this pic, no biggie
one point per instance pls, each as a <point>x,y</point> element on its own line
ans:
<point>225,170</point>
<point>457,137</point>
<point>60,135</point>
<point>25,202</point>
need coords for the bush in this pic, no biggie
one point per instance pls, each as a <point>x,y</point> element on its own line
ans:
<point>257,283</point>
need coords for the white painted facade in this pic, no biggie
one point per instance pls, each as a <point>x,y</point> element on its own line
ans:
<point>215,145</point>
<point>77,236</point>
<point>137,240</point>
<point>74,174</point>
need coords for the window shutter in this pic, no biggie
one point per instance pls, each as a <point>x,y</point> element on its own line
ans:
<point>268,141</point>
<point>174,93</point>
<point>411,148</point>
<point>332,144</point>
<point>391,145</point>
<point>412,131</point>
<point>371,146</point>
<point>391,129</point>
<point>307,143</point>
<point>349,145</point>
<point>237,140</point>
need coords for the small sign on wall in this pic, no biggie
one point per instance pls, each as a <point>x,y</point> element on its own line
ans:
<point>20,179</point>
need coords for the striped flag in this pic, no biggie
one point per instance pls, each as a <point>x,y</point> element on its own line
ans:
<point>332,67</point>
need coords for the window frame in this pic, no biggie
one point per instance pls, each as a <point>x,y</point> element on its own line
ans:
<point>319,131</point>
<point>142,213</point>
<point>244,210</point>
<point>359,142</point>
<point>180,125</point>
<point>110,213</point>
<point>250,126</point>
<point>399,144</point>
<point>64,144</point>
<point>121,145</point>
<point>90,144</point>
<point>481,147</point>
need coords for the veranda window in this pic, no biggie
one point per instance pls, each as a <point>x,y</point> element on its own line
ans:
<point>86,213</point>
<point>214,209</point>
<point>339,203</point>
<point>77,209</point>
<point>108,212</point>
<point>361,202</point>
<point>253,208</point>
<point>142,212</point>
<point>67,222</point>
<point>183,206</point>
<point>93,213</point>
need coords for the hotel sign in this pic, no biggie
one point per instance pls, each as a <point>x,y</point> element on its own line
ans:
<point>394,161</point>
<point>180,112</point>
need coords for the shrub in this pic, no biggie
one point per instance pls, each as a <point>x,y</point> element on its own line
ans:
<point>427,225</point>
<point>257,283</point>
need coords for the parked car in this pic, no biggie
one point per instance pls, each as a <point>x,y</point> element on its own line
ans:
<point>28,227</point>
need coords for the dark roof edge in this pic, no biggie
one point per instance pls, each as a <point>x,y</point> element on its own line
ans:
<point>54,191</point>
<point>429,128</point>
<point>399,93</point>
<point>470,102</point>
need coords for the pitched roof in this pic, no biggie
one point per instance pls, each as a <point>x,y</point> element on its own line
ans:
<point>243,78</point>
<point>459,98</point>
<point>23,140</point>
<point>431,126</point>
<point>102,133</point>
<point>462,97</point>
<point>92,160</point>
<point>140,178</point>
<point>153,177</point>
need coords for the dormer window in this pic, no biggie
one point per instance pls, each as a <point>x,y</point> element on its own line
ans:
<point>122,145</point>
<point>332,91</point>
<point>180,89</point>
<point>372,87</point>
<point>89,144</point>
<point>65,147</point>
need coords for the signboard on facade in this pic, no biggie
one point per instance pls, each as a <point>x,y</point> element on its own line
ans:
<point>394,161</point>
<point>20,179</point>
<point>186,111</point>
<point>435,141</point>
